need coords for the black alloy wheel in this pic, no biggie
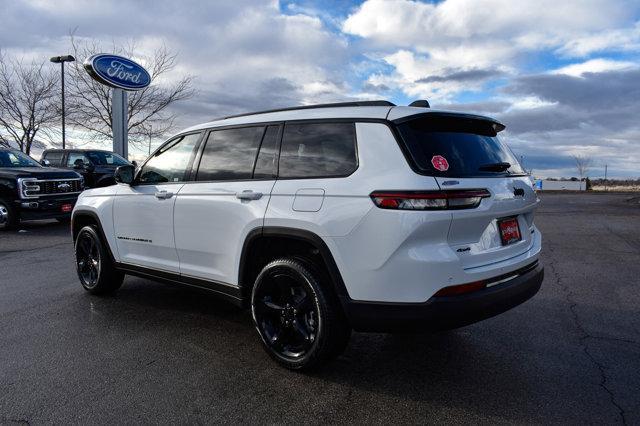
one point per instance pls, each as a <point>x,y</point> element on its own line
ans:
<point>88,259</point>
<point>95,268</point>
<point>287,312</point>
<point>299,322</point>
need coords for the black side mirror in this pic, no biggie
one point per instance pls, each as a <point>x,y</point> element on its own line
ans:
<point>45,162</point>
<point>135,164</point>
<point>78,164</point>
<point>124,174</point>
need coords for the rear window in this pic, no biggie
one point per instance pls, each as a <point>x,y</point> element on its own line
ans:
<point>457,147</point>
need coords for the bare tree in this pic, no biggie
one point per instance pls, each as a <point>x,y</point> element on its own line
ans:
<point>583,164</point>
<point>90,102</point>
<point>28,102</point>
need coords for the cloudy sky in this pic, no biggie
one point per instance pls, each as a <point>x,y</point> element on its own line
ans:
<point>564,76</point>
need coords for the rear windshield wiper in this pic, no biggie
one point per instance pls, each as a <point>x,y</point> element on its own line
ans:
<point>495,167</point>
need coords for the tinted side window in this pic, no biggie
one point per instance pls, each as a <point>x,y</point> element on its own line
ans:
<point>266,165</point>
<point>76,157</point>
<point>171,162</point>
<point>318,150</point>
<point>54,158</point>
<point>230,154</point>
<point>102,158</point>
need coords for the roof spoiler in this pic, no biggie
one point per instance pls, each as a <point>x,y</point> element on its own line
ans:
<point>495,124</point>
<point>420,103</point>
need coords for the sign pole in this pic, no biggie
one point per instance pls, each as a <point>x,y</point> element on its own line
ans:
<point>119,124</point>
<point>122,74</point>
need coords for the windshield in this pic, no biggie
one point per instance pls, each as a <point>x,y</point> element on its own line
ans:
<point>457,147</point>
<point>100,158</point>
<point>16,159</point>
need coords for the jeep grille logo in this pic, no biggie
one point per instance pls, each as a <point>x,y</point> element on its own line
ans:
<point>64,186</point>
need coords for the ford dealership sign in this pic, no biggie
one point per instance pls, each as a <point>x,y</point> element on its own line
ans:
<point>116,71</point>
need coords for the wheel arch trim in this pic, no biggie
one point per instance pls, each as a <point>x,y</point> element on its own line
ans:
<point>93,215</point>
<point>298,234</point>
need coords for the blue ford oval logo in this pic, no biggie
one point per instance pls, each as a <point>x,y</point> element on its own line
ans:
<point>117,71</point>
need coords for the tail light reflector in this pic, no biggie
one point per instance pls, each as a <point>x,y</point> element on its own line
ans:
<point>429,200</point>
<point>456,290</point>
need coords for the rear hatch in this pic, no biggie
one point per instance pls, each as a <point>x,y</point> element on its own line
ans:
<point>463,152</point>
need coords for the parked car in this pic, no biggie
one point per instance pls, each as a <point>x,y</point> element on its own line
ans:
<point>324,219</point>
<point>29,191</point>
<point>96,166</point>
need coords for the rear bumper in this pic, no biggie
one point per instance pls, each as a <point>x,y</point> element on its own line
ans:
<point>441,313</point>
<point>45,208</point>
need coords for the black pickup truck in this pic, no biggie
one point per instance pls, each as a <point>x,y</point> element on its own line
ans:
<point>96,166</point>
<point>29,191</point>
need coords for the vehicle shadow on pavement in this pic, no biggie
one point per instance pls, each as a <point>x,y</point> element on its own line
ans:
<point>35,235</point>
<point>40,228</point>
<point>504,368</point>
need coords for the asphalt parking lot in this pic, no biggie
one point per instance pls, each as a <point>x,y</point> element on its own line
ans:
<point>161,354</point>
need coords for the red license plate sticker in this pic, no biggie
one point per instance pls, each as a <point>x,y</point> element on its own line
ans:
<point>509,231</point>
<point>66,208</point>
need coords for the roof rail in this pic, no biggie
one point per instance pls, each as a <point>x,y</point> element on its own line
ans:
<point>334,105</point>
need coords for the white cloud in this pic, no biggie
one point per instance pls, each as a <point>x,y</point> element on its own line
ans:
<point>424,39</point>
<point>529,102</point>
<point>441,74</point>
<point>594,65</point>
<point>618,40</point>
<point>422,25</point>
<point>246,55</point>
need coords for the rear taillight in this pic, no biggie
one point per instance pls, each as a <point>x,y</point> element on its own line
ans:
<point>429,200</point>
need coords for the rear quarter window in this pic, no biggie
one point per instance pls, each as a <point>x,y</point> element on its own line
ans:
<point>318,150</point>
<point>467,145</point>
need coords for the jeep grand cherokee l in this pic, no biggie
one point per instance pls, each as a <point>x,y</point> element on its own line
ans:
<point>326,219</point>
<point>29,191</point>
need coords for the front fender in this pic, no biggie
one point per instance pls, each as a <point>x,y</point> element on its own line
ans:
<point>98,205</point>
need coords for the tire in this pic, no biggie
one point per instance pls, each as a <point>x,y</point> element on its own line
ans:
<point>297,315</point>
<point>9,217</point>
<point>95,268</point>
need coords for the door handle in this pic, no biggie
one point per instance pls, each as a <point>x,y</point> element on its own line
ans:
<point>163,195</point>
<point>248,195</point>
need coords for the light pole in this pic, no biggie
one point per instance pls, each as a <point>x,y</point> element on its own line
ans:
<point>61,60</point>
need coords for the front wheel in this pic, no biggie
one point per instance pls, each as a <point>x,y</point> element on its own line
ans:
<point>8,216</point>
<point>96,271</point>
<point>297,316</point>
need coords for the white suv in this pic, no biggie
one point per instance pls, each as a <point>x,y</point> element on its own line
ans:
<point>323,219</point>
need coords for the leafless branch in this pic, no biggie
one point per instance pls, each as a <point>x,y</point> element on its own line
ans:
<point>28,101</point>
<point>583,164</point>
<point>90,102</point>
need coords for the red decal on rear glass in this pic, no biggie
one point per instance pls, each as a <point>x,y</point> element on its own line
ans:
<point>440,163</point>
